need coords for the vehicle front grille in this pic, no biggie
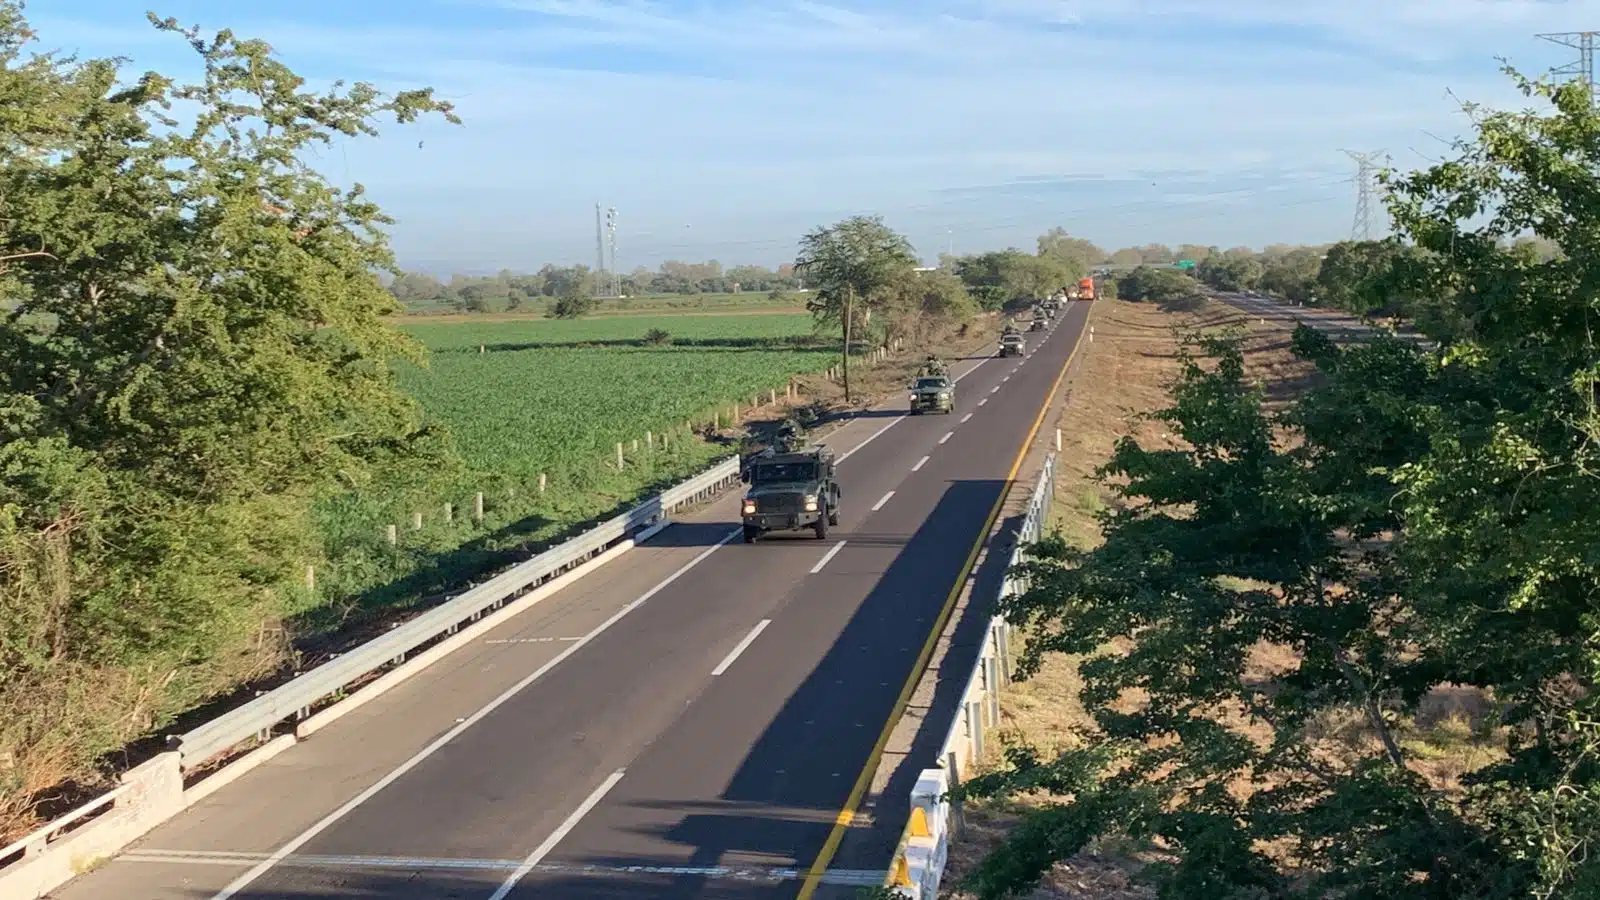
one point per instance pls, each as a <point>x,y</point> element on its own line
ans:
<point>779,503</point>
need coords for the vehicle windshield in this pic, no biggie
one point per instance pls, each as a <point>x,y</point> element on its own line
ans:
<point>930,383</point>
<point>783,473</point>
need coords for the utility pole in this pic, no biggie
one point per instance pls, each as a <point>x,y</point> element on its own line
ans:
<point>1583,68</point>
<point>849,313</point>
<point>599,255</point>
<point>1361,227</point>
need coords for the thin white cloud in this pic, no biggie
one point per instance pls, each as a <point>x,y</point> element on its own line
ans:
<point>806,107</point>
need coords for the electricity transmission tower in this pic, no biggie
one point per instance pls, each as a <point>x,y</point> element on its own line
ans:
<point>1361,227</point>
<point>1583,68</point>
<point>615,286</point>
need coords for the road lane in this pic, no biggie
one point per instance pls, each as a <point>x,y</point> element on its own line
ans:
<point>497,791</point>
<point>754,774</point>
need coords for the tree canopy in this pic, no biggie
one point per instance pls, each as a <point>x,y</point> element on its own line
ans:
<point>1274,601</point>
<point>194,345</point>
<point>853,267</point>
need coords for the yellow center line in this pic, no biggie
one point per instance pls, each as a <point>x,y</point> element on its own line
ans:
<point>847,815</point>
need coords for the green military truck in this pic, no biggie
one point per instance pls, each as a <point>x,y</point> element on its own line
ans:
<point>933,393</point>
<point>790,492</point>
<point>1012,343</point>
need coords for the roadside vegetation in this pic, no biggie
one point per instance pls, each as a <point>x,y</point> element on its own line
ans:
<point>1338,640</point>
<point>210,421</point>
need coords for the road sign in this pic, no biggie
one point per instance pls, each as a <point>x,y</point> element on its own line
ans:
<point>1185,263</point>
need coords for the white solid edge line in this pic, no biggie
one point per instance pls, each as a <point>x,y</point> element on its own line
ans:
<point>920,463</point>
<point>881,501</point>
<point>965,418</point>
<point>743,645</point>
<point>826,557</point>
<point>300,840</point>
<point>947,436</point>
<point>555,837</point>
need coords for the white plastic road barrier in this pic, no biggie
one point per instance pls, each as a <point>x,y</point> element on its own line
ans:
<point>924,847</point>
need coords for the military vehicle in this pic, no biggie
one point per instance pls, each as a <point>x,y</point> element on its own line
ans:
<point>1037,324</point>
<point>789,492</point>
<point>1012,343</point>
<point>933,392</point>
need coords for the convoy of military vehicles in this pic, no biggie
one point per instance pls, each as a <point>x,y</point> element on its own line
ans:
<point>793,484</point>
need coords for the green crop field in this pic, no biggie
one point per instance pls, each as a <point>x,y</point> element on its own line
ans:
<point>555,396</point>
<point>543,397</point>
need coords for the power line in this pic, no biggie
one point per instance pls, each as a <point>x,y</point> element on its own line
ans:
<point>1581,69</point>
<point>1361,227</point>
<point>1096,211</point>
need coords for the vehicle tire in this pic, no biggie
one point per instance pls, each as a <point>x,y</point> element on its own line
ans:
<point>821,527</point>
<point>751,534</point>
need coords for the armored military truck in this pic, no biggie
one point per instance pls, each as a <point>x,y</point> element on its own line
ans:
<point>936,393</point>
<point>1012,342</point>
<point>790,492</point>
<point>1037,324</point>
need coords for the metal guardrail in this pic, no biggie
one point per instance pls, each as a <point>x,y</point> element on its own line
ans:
<point>297,698</point>
<point>924,847</point>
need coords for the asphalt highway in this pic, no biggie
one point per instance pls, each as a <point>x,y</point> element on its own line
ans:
<point>686,721</point>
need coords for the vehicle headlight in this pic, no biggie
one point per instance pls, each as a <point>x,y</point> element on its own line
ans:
<point>944,395</point>
<point>811,504</point>
<point>749,506</point>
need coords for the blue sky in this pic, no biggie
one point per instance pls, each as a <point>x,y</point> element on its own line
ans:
<point>724,129</point>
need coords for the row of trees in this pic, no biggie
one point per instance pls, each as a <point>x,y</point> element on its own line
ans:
<point>510,291</point>
<point>994,279</point>
<point>1278,605</point>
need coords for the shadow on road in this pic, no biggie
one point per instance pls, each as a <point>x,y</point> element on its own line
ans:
<point>781,804</point>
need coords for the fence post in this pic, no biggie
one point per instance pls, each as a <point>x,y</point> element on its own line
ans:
<point>1058,440</point>
<point>311,578</point>
<point>649,440</point>
<point>449,513</point>
<point>619,454</point>
<point>477,506</point>
<point>392,533</point>
<point>541,482</point>
<point>416,521</point>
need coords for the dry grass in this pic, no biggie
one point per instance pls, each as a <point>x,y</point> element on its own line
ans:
<point>1125,373</point>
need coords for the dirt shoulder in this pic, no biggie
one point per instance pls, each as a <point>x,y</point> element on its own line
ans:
<point>1124,371</point>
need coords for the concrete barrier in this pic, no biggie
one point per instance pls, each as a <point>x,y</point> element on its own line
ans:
<point>148,795</point>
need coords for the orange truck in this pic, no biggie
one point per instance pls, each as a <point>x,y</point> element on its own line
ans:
<point>1086,289</point>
